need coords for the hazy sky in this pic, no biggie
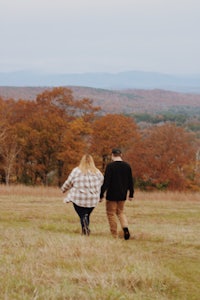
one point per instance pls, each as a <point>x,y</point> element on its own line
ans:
<point>76,36</point>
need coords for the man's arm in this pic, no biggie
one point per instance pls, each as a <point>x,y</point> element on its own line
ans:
<point>106,181</point>
<point>131,185</point>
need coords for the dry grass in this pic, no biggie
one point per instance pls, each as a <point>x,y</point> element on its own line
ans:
<point>43,255</point>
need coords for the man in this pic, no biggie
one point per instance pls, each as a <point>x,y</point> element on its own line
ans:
<point>118,186</point>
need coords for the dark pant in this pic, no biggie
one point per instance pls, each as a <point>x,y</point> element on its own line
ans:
<point>84,215</point>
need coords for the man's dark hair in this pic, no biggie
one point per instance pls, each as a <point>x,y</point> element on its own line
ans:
<point>116,151</point>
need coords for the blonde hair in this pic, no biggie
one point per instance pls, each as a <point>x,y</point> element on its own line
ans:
<point>87,164</point>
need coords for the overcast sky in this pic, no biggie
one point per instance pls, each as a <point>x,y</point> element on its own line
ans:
<point>77,36</point>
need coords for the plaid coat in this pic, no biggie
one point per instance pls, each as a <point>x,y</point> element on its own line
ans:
<point>83,189</point>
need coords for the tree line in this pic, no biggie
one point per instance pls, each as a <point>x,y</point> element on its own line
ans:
<point>41,140</point>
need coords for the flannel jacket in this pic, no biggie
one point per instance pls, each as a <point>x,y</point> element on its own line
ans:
<point>83,189</point>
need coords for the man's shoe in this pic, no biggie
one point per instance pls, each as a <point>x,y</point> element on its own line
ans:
<point>126,233</point>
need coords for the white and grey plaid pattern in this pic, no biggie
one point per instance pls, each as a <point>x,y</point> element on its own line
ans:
<point>83,189</point>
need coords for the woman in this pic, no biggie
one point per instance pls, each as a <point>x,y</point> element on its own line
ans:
<point>83,186</point>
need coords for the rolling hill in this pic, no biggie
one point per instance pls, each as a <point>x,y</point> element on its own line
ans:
<point>118,101</point>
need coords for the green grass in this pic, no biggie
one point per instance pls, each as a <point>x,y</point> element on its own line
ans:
<point>44,256</point>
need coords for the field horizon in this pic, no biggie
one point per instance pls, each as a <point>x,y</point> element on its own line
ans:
<point>44,256</point>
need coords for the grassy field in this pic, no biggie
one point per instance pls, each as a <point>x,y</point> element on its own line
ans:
<point>43,255</point>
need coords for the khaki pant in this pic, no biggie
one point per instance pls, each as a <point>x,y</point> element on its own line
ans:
<point>115,209</point>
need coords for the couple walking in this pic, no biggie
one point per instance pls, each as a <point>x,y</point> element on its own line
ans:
<point>86,186</point>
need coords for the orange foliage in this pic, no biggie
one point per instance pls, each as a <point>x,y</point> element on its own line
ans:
<point>46,133</point>
<point>163,156</point>
<point>113,131</point>
<point>42,140</point>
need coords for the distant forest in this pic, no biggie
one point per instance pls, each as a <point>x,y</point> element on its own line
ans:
<point>119,101</point>
<point>44,132</point>
<point>147,107</point>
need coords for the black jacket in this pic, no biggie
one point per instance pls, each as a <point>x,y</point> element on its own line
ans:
<point>118,180</point>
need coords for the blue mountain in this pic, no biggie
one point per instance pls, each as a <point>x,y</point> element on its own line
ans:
<point>121,80</point>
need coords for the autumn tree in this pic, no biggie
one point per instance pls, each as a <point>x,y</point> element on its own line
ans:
<point>8,140</point>
<point>76,142</point>
<point>9,152</point>
<point>50,129</point>
<point>3,130</point>
<point>77,116</point>
<point>111,131</point>
<point>62,98</point>
<point>3,122</point>
<point>165,155</point>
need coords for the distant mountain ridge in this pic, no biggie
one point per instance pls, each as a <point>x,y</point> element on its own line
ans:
<point>119,81</point>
